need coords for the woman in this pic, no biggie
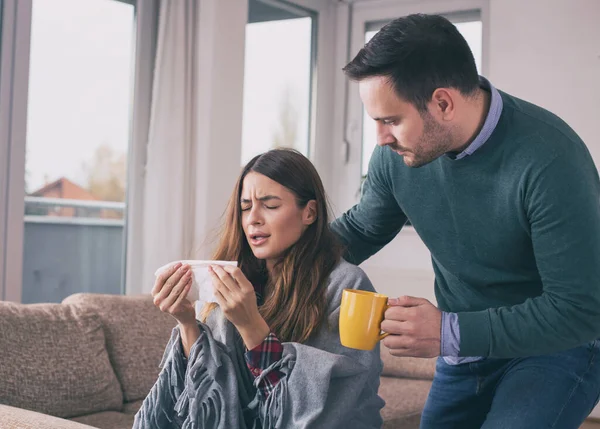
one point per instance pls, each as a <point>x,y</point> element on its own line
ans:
<point>268,355</point>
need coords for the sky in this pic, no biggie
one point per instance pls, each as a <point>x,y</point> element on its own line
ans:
<point>79,85</point>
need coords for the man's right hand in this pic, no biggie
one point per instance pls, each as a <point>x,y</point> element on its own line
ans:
<point>414,325</point>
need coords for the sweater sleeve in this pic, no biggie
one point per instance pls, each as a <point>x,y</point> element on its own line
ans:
<point>375,220</point>
<point>562,209</point>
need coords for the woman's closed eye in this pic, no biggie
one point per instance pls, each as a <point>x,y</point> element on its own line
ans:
<point>246,208</point>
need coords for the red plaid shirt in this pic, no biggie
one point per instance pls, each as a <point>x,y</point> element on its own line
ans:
<point>260,358</point>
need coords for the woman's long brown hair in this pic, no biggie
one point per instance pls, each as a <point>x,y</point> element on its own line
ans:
<point>295,304</point>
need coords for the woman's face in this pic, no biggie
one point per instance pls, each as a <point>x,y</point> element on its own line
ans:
<point>271,218</point>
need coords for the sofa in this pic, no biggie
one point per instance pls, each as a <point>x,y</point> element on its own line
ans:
<point>89,362</point>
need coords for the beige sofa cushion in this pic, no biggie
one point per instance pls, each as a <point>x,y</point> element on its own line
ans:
<point>53,360</point>
<point>407,367</point>
<point>18,418</point>
<point>136,336</point>
<point>107,420</point>
<point>404,401</point>
<point>412,421</point>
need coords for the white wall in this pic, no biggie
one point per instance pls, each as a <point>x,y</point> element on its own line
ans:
<point>548,52</point>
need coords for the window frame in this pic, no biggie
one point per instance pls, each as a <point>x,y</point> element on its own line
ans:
<point>14,76</point>
<point>15,42</point>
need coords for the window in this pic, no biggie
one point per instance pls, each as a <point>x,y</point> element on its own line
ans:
<point>277,79</point>
<point>77,140</point>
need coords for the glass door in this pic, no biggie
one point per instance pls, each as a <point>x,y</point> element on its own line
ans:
<point>78,127</point>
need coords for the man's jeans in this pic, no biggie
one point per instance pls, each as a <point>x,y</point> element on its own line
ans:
<point>551,391</point>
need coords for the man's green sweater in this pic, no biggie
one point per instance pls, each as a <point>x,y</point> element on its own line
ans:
<point>513,231</point>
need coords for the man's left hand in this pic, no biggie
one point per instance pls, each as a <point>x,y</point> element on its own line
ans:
<point>414,325</point>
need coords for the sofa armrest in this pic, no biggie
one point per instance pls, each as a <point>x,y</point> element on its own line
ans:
<point>19,418</point>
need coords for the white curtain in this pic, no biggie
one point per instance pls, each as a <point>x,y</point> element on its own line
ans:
<point>169,200</point>
<point>193,148</point>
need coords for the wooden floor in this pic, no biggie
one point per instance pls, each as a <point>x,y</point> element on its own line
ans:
<point>591,424</point>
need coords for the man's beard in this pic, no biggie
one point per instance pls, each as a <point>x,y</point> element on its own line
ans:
<point>434,142</point>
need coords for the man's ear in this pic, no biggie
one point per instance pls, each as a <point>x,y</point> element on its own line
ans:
<point>309,215</point>
<point>443,104</point>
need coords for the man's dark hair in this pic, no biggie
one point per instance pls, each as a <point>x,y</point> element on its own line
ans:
<point>419,53</point>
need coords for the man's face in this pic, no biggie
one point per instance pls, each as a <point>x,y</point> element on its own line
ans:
<point>418,137</point>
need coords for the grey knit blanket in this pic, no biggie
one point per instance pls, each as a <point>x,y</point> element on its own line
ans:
<point>326,385</point>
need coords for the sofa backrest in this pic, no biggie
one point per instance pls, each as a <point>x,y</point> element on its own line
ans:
<point>53,360</point>
<point>136,335</point>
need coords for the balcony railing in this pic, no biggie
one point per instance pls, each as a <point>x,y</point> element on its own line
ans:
<point>72,246</point>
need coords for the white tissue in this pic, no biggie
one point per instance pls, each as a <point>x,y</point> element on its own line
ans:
<point>202,288</point>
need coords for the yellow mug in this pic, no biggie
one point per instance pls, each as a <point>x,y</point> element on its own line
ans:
<point>361,314</point>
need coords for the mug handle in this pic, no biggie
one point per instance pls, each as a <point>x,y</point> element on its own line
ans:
<point>384,334</point>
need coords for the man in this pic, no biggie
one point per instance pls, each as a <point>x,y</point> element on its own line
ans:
<point>507,199</point>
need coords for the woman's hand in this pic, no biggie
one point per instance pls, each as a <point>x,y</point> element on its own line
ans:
<point>235,295</point>
<point>170,291</point>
